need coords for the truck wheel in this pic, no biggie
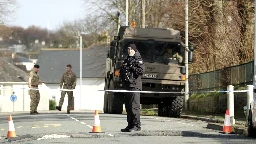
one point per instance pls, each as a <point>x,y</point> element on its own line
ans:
<point>176,106</point>
<point>115,101</point>
<point>105,108</point>
<point>250,129</point>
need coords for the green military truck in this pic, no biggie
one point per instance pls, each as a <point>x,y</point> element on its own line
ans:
<point>163,54</point>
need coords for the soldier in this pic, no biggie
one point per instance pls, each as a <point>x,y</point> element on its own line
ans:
<point>170,55</point>
<point>179,57</point>
<point>69,81</point>
<point>33,83</point>
<point>131,72</point>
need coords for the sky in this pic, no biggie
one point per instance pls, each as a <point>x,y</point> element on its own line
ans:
<point>47,13</point>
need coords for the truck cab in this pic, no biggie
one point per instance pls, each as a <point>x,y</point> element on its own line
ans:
<point>163,54</point>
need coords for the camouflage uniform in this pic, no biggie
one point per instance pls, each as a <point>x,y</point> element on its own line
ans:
<point>68,81</point>
<point>177,56</point>
<point>34,94</point>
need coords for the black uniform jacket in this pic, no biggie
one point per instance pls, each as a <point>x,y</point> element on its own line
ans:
<point>135,66</point>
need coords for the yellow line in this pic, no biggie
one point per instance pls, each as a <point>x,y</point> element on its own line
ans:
<point>45,126</point>
<point>2,129</point>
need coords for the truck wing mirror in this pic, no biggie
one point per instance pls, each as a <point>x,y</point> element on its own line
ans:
<point>190,54</point>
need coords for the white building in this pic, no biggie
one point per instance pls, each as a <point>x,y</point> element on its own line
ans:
<point>53,64</point>
<point>13,79</point>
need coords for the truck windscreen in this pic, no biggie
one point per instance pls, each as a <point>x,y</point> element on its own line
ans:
<point>153,51</point>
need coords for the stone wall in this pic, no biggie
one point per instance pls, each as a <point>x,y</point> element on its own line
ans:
<point>217,104</point>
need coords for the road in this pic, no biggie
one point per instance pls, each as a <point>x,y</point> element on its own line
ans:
<point>75,128</point>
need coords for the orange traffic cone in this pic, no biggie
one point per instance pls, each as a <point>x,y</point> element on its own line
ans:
<point>11,131</point>
<point>96,127</point>
<point>227,125</point>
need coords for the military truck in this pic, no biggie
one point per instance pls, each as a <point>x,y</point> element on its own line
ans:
<point>163,54</point>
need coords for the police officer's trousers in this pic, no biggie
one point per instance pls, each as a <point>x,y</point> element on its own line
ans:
<point>132,106</point>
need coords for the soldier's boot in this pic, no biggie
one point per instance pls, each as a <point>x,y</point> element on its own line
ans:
<point>58,108</point>
<point>36,112</point>
<point>68,109</point>
<point>32,113</point>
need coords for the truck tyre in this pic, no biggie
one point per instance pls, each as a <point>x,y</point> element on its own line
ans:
<point>250,129</point>
<point>115,101</point>
<point>176,107</point>
<point>105,108</point>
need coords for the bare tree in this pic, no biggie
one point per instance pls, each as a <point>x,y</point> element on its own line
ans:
<point>7,9</point>
<point>220,30</point>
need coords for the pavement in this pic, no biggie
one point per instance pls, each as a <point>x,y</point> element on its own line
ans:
<point>217,122</point>
<point>59,127</point>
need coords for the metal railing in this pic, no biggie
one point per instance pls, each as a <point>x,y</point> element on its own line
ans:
<point>240,75</point>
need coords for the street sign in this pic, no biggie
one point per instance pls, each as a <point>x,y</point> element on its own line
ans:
<point>13,98</point>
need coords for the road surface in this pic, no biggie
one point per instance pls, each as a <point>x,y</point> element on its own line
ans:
<point>61,128</point>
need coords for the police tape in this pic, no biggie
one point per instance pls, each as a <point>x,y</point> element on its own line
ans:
<point>127,91</point>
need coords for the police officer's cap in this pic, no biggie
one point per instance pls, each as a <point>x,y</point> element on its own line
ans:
<point>36,66</point>
<point>133,46</point>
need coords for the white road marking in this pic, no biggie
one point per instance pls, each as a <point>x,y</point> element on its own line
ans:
<point>76,119</point>
<point>89,126</point>
<point>82,122</point>
<point>19,127</point>
<point>110,135</point>
<point>53,136</point>
<point>2,129</point>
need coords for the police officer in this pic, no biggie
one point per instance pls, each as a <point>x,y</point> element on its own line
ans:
<point>131,72</point>
<point>33,82</point>
<point>69,81</point>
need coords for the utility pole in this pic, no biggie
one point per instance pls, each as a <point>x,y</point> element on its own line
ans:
<point>127,13</point>
<point>186,55</point>
<point>254,78</point>
<point>81,68</point>
<point>143,13</point>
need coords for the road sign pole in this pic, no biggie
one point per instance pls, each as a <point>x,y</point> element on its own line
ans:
<point>13,98</point>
